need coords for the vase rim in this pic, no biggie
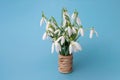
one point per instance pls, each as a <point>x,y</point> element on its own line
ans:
<point>70,56</point>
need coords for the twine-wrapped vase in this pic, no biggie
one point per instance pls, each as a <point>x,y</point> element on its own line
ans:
<point>65,63</point>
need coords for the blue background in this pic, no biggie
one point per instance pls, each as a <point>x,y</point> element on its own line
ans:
<point>25,56</point>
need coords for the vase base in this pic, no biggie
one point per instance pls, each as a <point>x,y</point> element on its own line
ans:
<point>64,71</point>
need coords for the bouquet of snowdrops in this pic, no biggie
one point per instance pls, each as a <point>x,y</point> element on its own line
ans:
<point>64,37</point>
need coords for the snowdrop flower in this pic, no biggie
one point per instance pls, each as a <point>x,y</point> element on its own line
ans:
<point>92,31</point>
<point>45,35</point>
<point>74,47</point>
<point>81,31</point>
<point>62,39</point>
<point>70,30</point>
<point>57,47</point>
<point>78,21</point>
<point>42,21</point>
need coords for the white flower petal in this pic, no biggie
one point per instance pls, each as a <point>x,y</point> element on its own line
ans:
<point>57,47</point>
<point>78,21</point>
<point>75,46</point>
<point>81,31</point>
<point>91,33</point>
<point>44,36</point>
<point>41,21</point>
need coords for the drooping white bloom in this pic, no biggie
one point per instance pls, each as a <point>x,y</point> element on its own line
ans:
<point>57,47</point>
<point>45,35</point>
<point>78,21</point>
<point>81,31</point>
<point>92,32</point>
<point>74,47</point>
<point>52,48</point>
<point>62,39</point>
<point>70,30</point>
<point>41,21</point>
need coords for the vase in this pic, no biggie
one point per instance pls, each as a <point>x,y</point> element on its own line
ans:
<point>65,63</point>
